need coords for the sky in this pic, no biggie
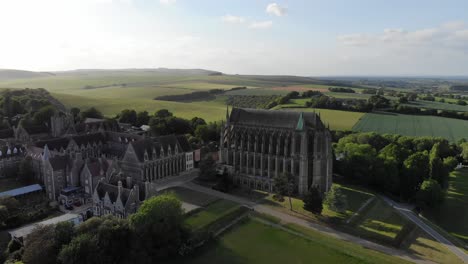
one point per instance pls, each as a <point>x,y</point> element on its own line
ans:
<point>290,37</point>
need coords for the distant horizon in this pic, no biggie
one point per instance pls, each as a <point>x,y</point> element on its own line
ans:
<point>377,76</point>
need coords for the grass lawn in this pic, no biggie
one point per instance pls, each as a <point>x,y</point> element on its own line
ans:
<point>192,197</point>
<point>413,125</point>
<point>452,215</point>
<point>255,242</point>
<point>381,222</point>
<point>424,246</point>
<point>356,197</point>
<point>212,212</point>
<point>7,184</point>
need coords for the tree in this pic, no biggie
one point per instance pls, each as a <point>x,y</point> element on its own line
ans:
<point>64,233</point>
<point>207,168</point>
<point>91,113</point>
<point>83,249</point>
<point>142,118</point>
<point>128,116</point>
<point>336,200</point>
<point>464,150</point>
<point>75,111</point>
<point>437,170</point>
<point>3,214</point>
<point>40,247</point>
<point>415,171</point>
<point>25,170</point>
<point>313,201</point>
<point>197,121</point>
<point>163,113</point>
<point>283,185</point>
<point>159,226</point>
<point>10,202</point>
<point>43,115</point>
<point>379,101</point>
<point>430,195</point>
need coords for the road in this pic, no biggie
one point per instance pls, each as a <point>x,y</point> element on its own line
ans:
<point>410,215</point>
<point>286,218</point>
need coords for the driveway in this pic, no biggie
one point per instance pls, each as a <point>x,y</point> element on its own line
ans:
<point>410,215</point>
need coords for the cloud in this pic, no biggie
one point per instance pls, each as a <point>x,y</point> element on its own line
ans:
<point>261,24</point>
<point>233,19</point>
<point>275,9</point>
<point>450,34</point>
<point>167,2</point>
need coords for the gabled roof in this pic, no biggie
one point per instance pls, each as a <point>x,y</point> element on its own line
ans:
<point>59,162</point>
<point>7,133</point>
<point>275,119</point>
<point>89,138</point>
<point>184,144</point>
<point>53,144</point>
<point>36,129</point>
<point>113,191</point>
<point>164,142</point>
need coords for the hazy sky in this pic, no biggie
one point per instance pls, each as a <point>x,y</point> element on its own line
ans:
<point>301,37</point>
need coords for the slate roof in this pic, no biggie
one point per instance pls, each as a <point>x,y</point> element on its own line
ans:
<point>184,144</point>
<point>53,144</point>
<point>7,133</point>
<point>36,129</point>
<point>113,191</point>
<point>276,119</point>
<point>60,162</point>
<point>140,146</point>
<point>95,167</point>
<point>89,138</point>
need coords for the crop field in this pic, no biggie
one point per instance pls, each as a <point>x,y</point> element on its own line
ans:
<point>112,92</point>
<point>255,242</point>
<point>438,105</point>
<point>338,120</point>
<point>412,125</point>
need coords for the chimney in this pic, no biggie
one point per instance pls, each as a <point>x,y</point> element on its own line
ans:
<point>129,181</point>
<point>147,187</point>
<point>119,188</point>
<point>136,188</point>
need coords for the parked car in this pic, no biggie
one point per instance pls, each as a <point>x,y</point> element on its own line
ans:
<point>68,206</point>
<point>77,203</point>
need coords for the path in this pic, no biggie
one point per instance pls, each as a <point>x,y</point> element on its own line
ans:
<point>286,218</point>
<point>408,213</point>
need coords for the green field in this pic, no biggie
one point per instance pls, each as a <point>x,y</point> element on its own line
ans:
<point>438,105</point>
<point>412,125</point>
<point>337,119</point>
<point>452,215</point>
<point>209,214</point>
<point>255,242</point>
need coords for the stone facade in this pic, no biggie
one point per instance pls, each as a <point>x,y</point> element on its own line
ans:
<point>258,145</point>
<point>95,161</point>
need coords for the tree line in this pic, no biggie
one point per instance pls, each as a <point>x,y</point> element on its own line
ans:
<point>414,169</point>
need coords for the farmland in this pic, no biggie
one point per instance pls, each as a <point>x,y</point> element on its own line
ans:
<point>412,125</point>
<point>337,119</point>
<point>438,105</point>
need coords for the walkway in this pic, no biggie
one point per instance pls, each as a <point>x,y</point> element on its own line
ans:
<point>408,213</point>
<point>286,218</point>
